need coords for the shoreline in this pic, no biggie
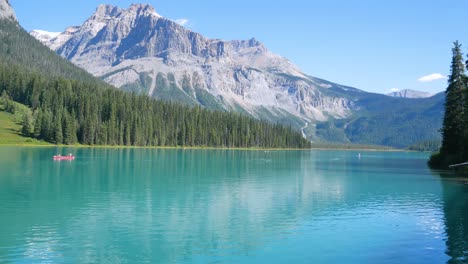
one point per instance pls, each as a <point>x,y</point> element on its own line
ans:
<point>203,148</point>
<point>146,147</point>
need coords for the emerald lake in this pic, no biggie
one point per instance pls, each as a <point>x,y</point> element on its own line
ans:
<point>228,206</point>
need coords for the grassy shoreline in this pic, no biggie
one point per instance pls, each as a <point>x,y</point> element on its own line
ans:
<point>144,147</point>
<point>49,145</point>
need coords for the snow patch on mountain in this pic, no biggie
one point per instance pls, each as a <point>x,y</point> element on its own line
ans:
<point>44,36</point>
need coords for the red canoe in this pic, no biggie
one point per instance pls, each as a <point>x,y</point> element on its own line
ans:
<point>60,157</point>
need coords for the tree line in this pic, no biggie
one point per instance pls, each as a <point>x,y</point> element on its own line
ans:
<point>426,145</point>
<point>454,148</point>
<point>69,111</point>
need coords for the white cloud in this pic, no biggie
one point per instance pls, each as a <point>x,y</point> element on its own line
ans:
<point>432,77</point>
<point>182,21</point>
<point>394,90</point>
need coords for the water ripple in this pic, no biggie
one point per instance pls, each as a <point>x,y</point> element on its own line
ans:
<point>172,206</point>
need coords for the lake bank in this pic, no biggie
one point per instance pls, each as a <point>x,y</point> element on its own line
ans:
<point>49,145</point>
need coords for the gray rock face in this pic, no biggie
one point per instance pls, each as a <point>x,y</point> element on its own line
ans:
<point>407,93</point>
<point>6,11</point>
<point>137,49</point>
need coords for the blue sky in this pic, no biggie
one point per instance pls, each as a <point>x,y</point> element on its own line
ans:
<point>368,44</point>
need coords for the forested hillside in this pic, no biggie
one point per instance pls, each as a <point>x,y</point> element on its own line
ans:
<point>384,120</point>
<point>67,112</point>
<point>17,47</point>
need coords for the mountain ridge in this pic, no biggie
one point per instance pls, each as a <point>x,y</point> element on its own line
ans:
<point>408,93</point>
<point>44,36</point>
<point>138,50</point>
<point>67,105</point>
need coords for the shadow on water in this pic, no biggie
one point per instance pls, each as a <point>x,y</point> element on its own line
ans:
<point>455,207</point>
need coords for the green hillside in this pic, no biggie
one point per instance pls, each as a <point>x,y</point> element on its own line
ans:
<point>398,123</point>
<point>383,120</point>
<point>11,124</point>
<point>19,48</point>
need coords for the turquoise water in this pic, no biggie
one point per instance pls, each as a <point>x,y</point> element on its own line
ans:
<point>218,206</point>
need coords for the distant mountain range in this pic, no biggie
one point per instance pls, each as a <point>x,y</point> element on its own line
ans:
<point>136,49</point>
<point>407,93</point>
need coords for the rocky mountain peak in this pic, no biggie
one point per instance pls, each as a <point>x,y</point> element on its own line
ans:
<point>253,42</point>
<point>143,9</point>
<point>137,49</point>
<point>6,11</point>
<point>106,11</point>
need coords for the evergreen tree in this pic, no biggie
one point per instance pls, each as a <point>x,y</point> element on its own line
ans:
<point>4,97</point>
<point>69,130</point>
<point>8,103</point>
<point>58,131</point>
<point>46,126</point>
<point>27,126</point>
<point>453,123</point>
<point>38,123</point>
<point>464,80</point>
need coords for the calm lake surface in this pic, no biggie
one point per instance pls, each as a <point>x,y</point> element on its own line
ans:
<point>219,206</point>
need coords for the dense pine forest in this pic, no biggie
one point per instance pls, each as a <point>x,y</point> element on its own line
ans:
<point>454,147</point>
<point>426,145</point>
<point>69,112</point>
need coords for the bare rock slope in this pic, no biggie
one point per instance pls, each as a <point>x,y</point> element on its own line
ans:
<point>6,11</point>
<point>138,49</point>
